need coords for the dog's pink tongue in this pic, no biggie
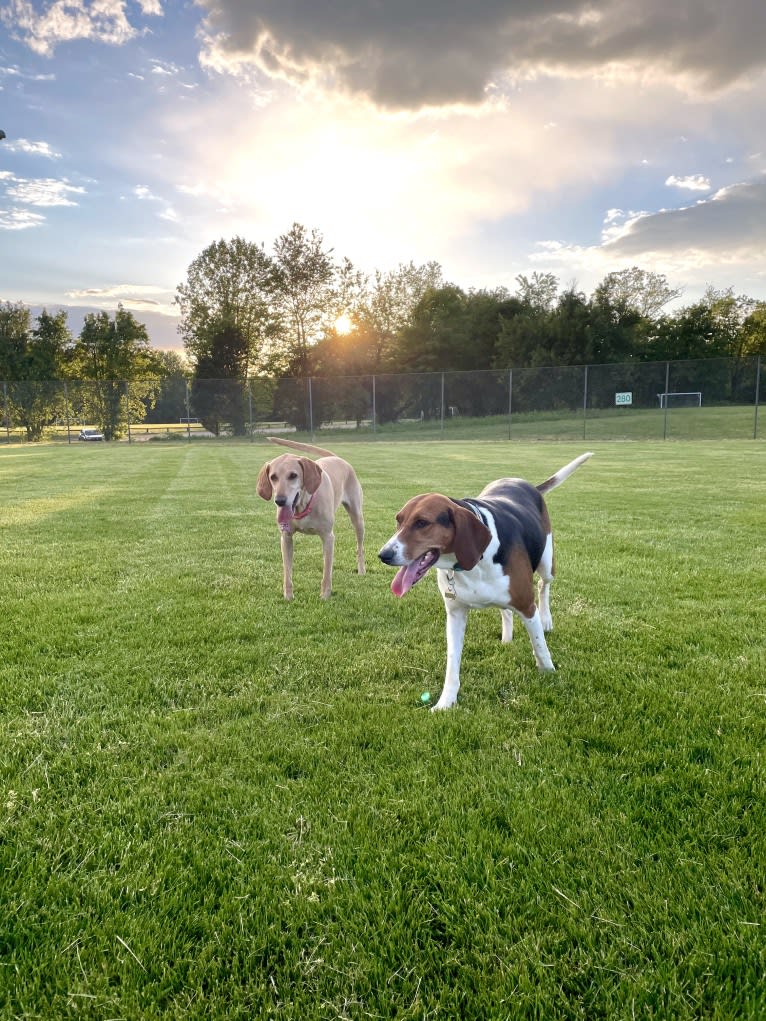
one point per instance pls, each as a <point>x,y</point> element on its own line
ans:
<point>405,579</point>
<point>284,516</point>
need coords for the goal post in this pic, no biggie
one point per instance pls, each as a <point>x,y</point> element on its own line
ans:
<point>681,399</point>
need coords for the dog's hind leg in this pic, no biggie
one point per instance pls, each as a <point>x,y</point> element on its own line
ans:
<point>354,508</point>
<point>534,628</point>
<point>545,571</point>
<point>507,616</point>
<point>328,547</point>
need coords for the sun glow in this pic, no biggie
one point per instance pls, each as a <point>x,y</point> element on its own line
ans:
<point>343,324</point>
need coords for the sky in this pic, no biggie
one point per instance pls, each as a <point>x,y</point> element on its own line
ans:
<point>497,138</point>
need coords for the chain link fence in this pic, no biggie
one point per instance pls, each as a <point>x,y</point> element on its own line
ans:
<point>717,398</point>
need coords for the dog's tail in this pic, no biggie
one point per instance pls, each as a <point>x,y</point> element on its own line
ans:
<point>308,447</point>
<point>563,473</point>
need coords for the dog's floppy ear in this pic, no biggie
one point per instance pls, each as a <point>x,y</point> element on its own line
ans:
<point>471,538</point>
<point>312,474</point>
<point>264,482</point>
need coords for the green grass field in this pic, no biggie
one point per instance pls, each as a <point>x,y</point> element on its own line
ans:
<point>217,805</point>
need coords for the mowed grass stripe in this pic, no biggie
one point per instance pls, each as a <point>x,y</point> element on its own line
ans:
<point>216,804</point>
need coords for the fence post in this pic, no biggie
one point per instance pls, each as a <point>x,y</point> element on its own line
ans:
<point>757,395</point>
<point>374,409</point>
<point>66,412</point>
<point>442,423</point>
<point>585,401</point>
<point>510,400</point>
<point>311,410</point>
<point>665,401</point>
<point>127,408</point>
<point>188,413</point>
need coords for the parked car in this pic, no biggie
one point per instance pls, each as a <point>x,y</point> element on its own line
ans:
<point>90,435</point>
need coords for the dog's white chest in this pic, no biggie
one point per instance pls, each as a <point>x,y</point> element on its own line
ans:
<point>486,585</point>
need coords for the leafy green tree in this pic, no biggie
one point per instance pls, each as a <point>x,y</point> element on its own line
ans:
<point>752,335</point>
<point>523,339</point>
<point>390,307</point>
<point>15,327</point>
<point>700,330</point>
<point>617,329</point>
<point>636,290</point>
<point>454,331</point>
<point>32,358</point>
<point>304,297</point>
<point>228,286</point>
<point>218,387</point>
<point>437,338</point>
<point>538,292</point>
<point>114,355</point>
<point>171,403</point>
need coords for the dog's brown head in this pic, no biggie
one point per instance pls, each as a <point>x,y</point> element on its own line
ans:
<point>286,480</point>
<point>432,526</point>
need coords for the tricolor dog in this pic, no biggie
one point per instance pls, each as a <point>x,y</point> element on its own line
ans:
<point>307,495</point>
<point>485,551</point>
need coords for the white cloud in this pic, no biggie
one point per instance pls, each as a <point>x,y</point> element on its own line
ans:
<point>137,297</point>
<point>144,194</point>
<point>43,191</point>
<point>162,67</point>
<point>62,21</point>
<point>716,236</point>
<point>31,148</point>
<point>20,219</point>
<point>694,182</point>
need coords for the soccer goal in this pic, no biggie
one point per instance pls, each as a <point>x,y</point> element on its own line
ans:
<point>685,399</point>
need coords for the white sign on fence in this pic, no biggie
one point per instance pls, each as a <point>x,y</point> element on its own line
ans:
<point>623,398</point>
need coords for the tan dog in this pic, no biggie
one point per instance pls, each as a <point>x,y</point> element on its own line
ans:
<point>307,494</point>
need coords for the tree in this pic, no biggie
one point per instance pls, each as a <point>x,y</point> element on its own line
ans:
<point>229,285</point>
<point>706,329</point>
<point>454,331</point>
<point>218,386</point>
<point>753,332</point>
<point>436,339</point>
<point>15,325</point>
<point>304,296</point>
<point>114,354</point>
<point>32,358</point>
<point>636,290</point>
<point>618,329</point>
<point>170,405</point>
<point>523,340</point>
<point>538,292</point>
<point>390,307</point>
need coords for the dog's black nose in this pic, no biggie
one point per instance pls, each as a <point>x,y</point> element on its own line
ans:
<point>386,555</point>
<point>280,501</point>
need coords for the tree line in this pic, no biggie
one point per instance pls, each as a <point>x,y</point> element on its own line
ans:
<point>299,311</point>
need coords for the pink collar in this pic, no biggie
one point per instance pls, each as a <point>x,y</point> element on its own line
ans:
<point>309,505</point>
